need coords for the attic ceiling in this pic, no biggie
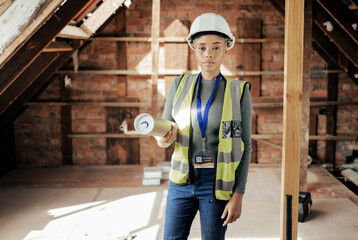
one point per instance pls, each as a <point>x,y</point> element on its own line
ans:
<point>334,33</point>
<point>30,50</point>
<point>41,35</point>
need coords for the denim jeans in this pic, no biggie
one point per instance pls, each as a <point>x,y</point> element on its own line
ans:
<point>184,201</point>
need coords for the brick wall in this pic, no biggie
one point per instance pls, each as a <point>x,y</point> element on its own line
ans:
<point>38,137</point>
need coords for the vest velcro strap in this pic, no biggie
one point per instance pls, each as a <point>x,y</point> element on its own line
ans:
<point>177,177</point>
<point>180,166</point>
<point>225,186</point>
<point>227,158</point>
<point>183,140</point>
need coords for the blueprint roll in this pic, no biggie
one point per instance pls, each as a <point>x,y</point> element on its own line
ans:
<point>147,124</point>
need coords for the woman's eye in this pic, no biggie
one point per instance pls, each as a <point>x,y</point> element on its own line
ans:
<point>202,49</point>
<point>216,48</point>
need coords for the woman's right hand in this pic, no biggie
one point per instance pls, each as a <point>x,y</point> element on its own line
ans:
<point>169,138</point>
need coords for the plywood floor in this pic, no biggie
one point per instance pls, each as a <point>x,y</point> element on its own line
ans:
<point>109,202</point>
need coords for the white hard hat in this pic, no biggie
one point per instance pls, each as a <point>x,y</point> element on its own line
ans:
<point>211,22</point>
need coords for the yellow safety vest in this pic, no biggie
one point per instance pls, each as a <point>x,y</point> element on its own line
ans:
<point>230,148</point>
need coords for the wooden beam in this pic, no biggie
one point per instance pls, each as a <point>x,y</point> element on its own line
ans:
<point>58,46</point>
<point>292,110</point>
<point>19,86</point>
<point>342,15</point>
<point>345,43</point>
<point>38,20</point>
<point>37,84</point>
<point>5,4</point>
<point>33,47</point>
<point>155,70</point>
<point>331,115</point>
<point>100,15</point>
<point>306,87</point>
<point>89,103</point>
<point>66,123</point>
<point>73,33</point>
<point>106,135</point>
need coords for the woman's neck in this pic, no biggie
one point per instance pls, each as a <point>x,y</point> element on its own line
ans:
<point>209,75</point>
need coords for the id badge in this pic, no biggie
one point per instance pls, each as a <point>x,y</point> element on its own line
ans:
<point>204,160</point>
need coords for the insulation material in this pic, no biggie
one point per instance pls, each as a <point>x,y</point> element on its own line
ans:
<point>15,20</point>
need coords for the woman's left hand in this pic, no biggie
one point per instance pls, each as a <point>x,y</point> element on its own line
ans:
<point>233,208</point>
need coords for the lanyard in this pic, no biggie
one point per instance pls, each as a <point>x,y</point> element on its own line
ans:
<point>203,122</point>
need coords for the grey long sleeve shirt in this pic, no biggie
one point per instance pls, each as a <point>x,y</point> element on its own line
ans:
<point>212,130</point>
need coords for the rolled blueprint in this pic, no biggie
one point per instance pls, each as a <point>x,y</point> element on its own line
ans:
<point>147,124</point>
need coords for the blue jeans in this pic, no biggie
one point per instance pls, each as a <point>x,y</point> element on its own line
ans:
<point>184,201</point>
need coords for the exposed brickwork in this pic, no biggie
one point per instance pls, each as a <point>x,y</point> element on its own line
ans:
<point>38,130</point>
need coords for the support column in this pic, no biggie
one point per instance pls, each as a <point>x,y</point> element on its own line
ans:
<point>307,52</point>
<point>155,70</point>
<point>292,110</point>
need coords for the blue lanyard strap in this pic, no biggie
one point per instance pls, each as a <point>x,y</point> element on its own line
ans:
<point>203,122</point>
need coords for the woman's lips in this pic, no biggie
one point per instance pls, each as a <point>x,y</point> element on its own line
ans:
<point>208,63</point>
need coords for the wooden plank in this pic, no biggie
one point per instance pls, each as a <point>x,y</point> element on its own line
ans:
<point>346,44</point>
<point>155,70</point>
<point>100,15</point>
<point>73,33</point>
<point>292,110</point>
<point>176,55</point>
<point>4,5</point>
<point>331,115</point>
<point>37,84</point>
<point>249,59</point>
<point>36,22</point>
<point>343,16</point>
<point>350,175</point>
<point>89,103</point>
<point>33,47</point>
<point>106,135</point>
<point>306,87</point>
<point>66,123</point>
<point>58,46</point>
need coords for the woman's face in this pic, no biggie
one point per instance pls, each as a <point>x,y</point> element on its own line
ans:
<point>210,51</point>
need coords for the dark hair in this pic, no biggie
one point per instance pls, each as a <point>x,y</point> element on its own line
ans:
<point>199,34</point>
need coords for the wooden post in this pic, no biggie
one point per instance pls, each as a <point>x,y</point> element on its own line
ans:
<point>292,110</point>
<point>249,59</point>
<point>66,122</point>
<point>176,58</point>
<point>306,93</point>
<point>155,70</point>
<point>332,93</point>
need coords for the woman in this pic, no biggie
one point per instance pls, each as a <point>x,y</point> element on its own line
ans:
<point>212,130</point>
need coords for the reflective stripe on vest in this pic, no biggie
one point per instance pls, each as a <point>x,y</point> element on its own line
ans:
<point>230,146</point>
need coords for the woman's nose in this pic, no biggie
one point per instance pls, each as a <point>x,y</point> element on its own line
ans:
<point>208,54</point>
